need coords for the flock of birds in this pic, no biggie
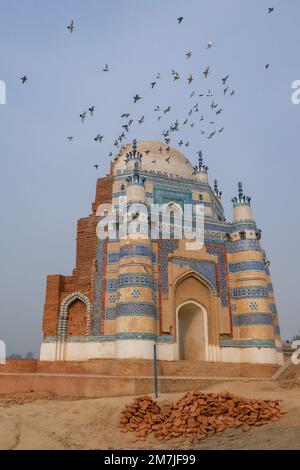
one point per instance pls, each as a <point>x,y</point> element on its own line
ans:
<point>160,111</point>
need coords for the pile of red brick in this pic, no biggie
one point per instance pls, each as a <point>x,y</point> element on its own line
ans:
<point>142,416</point>
<point>197,414</point>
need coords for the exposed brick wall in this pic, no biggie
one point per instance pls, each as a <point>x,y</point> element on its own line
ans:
<point>77,319</point>
<point>58,287</point>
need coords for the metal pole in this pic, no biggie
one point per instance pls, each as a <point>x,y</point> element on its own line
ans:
<point>155,371</point>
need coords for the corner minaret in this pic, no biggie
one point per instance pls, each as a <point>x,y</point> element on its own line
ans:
<point>242,211</point>
<point>135,314</point>
<point>254,317</point>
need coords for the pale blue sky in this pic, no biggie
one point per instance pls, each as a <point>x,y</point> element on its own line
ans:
<point>47,184</point>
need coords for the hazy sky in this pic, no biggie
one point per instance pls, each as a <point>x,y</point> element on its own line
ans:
<point>47,183</point>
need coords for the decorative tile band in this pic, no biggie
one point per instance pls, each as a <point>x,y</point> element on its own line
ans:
<point>246,266</point>
<point>135,309</point>
<point>135,279</point>
<point>243,245</point>
<point>249,319</point>
<point>249,291</point>
<point>135,250</point>
<point>102,339</point>
<point>247,343</point>
<point>113,257</point>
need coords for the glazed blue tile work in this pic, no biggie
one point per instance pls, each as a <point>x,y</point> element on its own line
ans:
<point>136,293</point>
<point>246,266</point>
<point>206,269</point>
<point>243,245</point>
<point>249,291</point>
<point>135,309</point>
<point>249,319</point>
<point>247,343</point>
<point>222,271</point>
<point>166,247</point>
<point>135,250</point>
<point>135,279</point>
<point>163,196</point>
<point>98,279</point>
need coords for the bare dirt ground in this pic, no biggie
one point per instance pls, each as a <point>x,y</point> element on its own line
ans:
<point>44,422</point>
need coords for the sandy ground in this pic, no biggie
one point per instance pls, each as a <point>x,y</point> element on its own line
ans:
<point>93,424</point>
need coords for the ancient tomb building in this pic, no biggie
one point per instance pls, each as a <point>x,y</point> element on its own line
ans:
<point>212,301</point>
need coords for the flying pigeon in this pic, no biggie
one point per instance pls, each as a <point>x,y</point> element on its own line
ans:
<point>125,115</point>
<point>98,138</point>
<point>187,144</point>
<point>270,10</point>
<point>226,89</point>
<point>24,79</point>
<point>180,143</point>
<point>70,138</point>
<point>206,72</point>
<point>153,84</point>
<point>232,93</point>
<point>209,44</point>
<point>188,54</point>
<point>167,110</point>
<point>96,166</point>
<point>267,66</point>
<point>224,80</point>
<point>180,19</point>
<point>190,79</point>
<point>211,135</point>
<point>105,68</point>
<point>184,122</point>
<point>82,116</point>
<point>91,110</point>
<point>71,27</point>
<point>157,108</point>
<point>168,159</point>
<point>222,129</point>
<point>141,120</point>
<point>136,98</point>
<point>192,94</point>
<point>209,93</point>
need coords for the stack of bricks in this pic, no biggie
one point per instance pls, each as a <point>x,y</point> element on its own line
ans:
<point>198,415</point>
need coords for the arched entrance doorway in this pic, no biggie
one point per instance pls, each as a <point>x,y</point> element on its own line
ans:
<point>192,331</point>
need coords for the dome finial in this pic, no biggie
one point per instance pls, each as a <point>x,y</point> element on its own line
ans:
<point>216,190</point>
<point>241,192</point>
<point>134,154</point>
<point>202,167</point>
<point>241,199</point>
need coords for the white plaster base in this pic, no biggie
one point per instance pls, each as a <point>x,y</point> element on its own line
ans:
<point>143,349</point>
<point>251,355</point>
